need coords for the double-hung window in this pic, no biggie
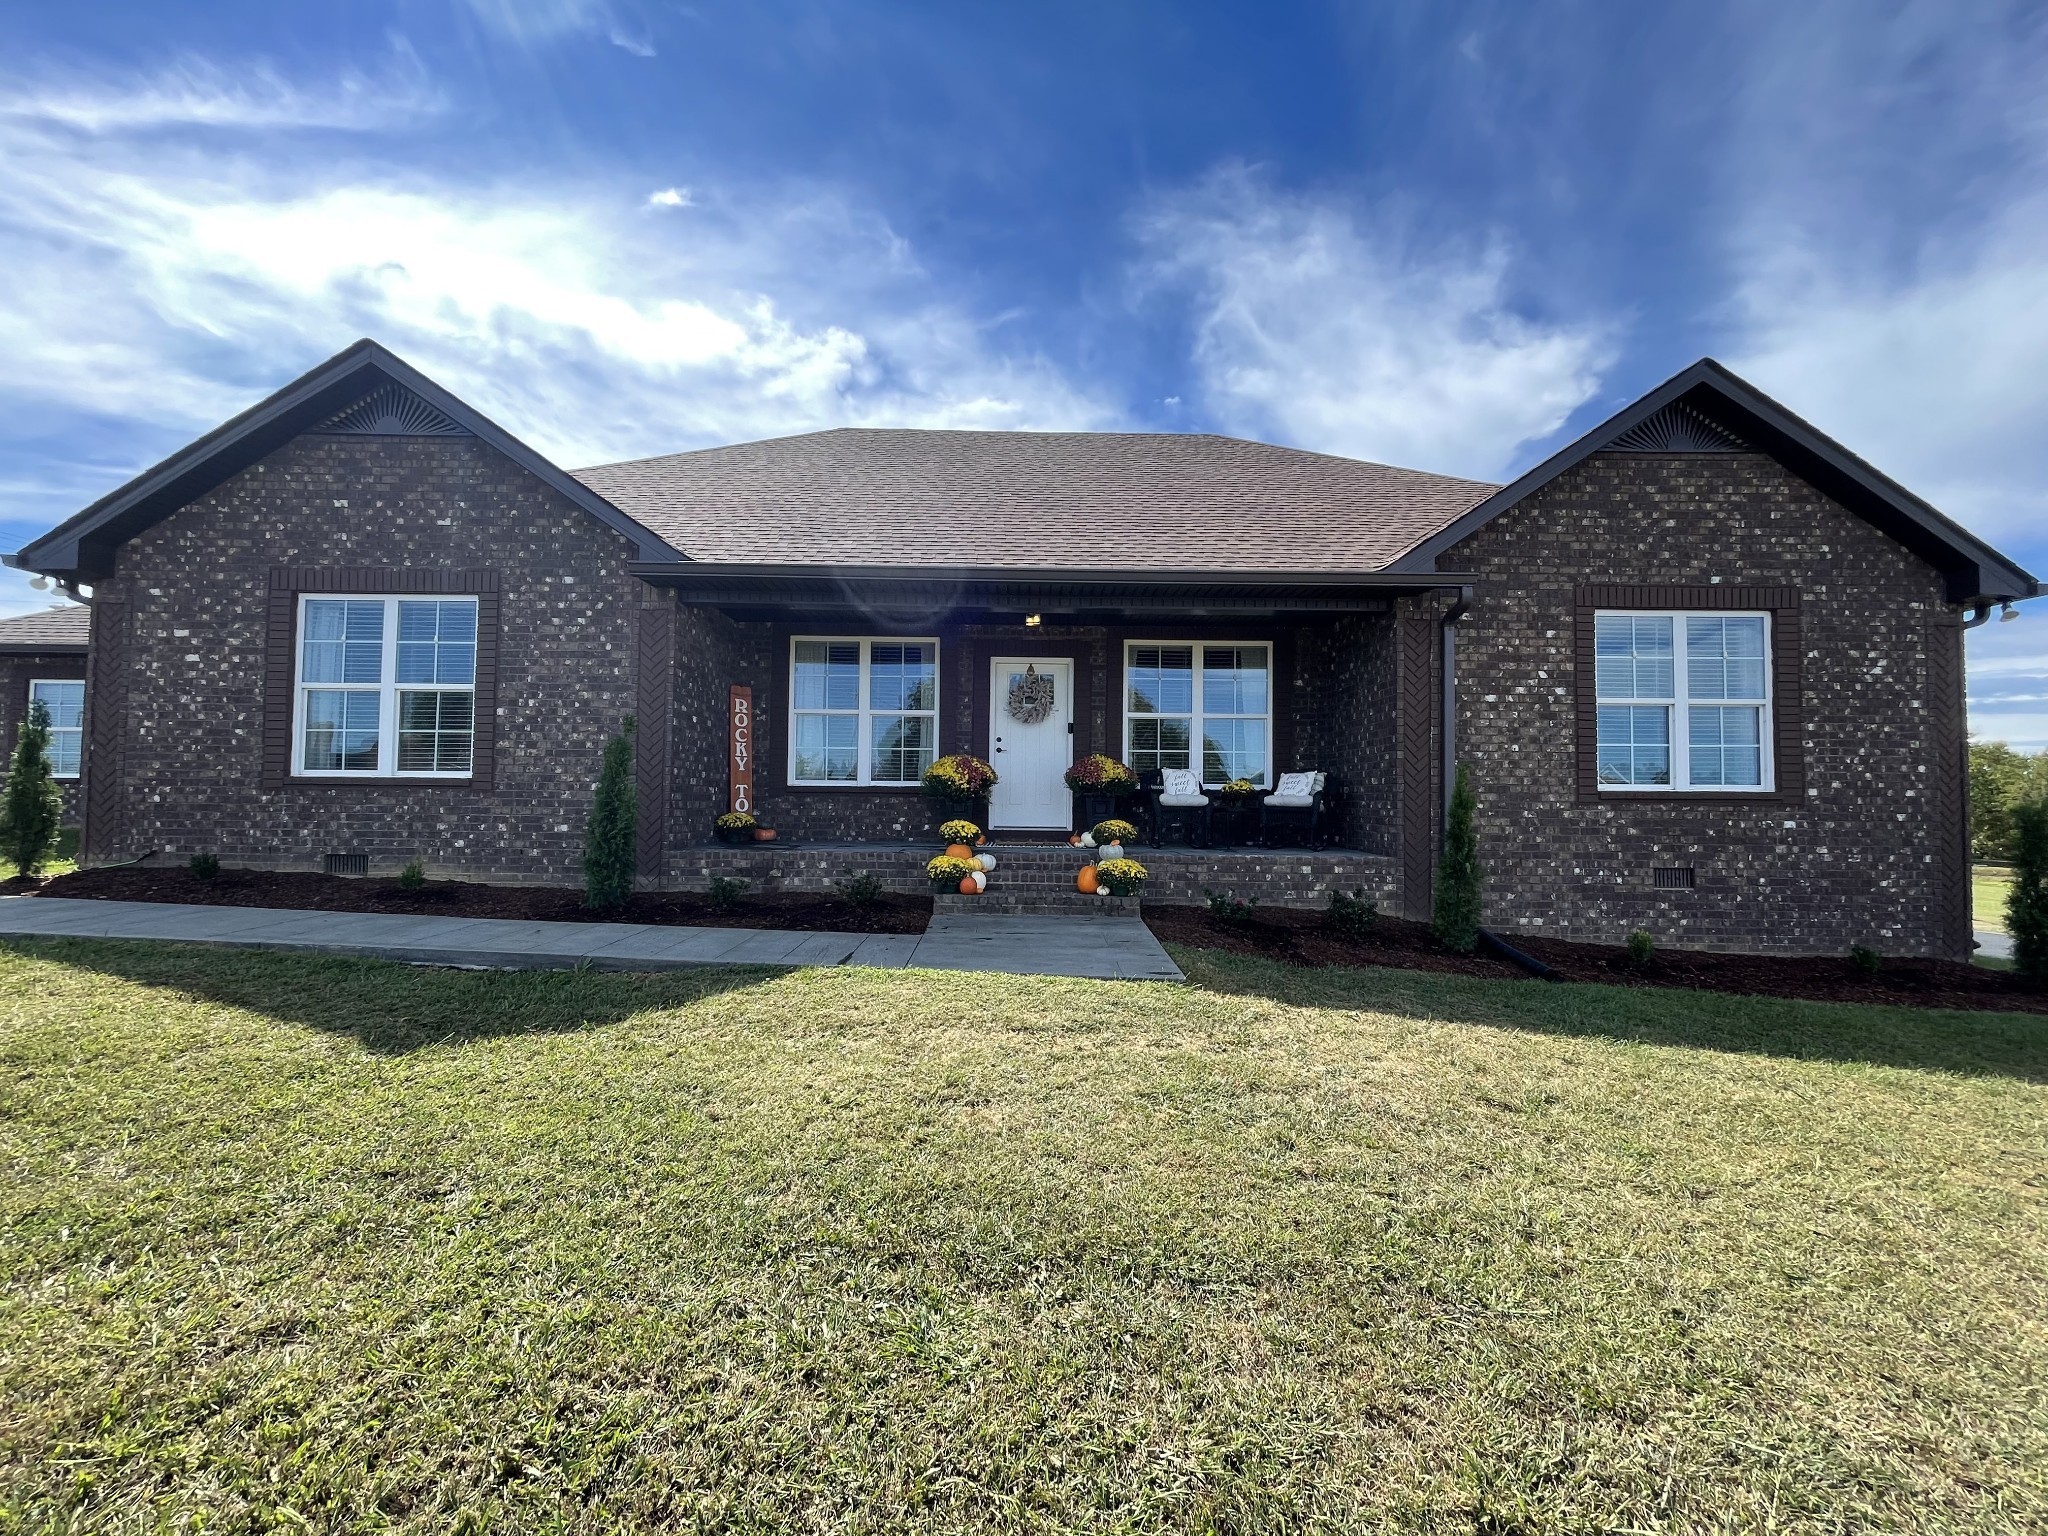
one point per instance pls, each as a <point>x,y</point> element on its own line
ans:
<point>862,711</point>
<point>386,687</point>
<point>64,698</point>
<point>1214,698</point>
<point>1683,700</point>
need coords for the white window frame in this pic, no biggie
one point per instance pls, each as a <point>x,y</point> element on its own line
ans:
<point>864,713</point>
<point>69,730</point>
<point>387,689</point>
<point>1680,703</point>
<point>1196,715</point>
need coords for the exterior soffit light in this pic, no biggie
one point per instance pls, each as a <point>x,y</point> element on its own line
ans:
<point>1031,620</point>
<point>2007,614</point>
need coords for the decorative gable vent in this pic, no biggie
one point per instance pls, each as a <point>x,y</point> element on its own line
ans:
<point>1675,429</point>
<point>394,411</point>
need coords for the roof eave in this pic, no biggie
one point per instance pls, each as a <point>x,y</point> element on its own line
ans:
<point>1972,570</point>
<point>81,548</point>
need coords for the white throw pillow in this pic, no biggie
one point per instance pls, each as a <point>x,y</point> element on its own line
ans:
<point>1296,787</point>
<point>1180,782</point>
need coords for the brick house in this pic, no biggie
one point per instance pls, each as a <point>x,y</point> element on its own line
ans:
<point>1705,665</point>
<point>42,656</point>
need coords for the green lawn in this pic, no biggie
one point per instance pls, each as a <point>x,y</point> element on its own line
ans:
<point>289,1243</point>
<point>1989,887</point>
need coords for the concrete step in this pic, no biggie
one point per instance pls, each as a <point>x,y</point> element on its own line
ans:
<point>997,899</point>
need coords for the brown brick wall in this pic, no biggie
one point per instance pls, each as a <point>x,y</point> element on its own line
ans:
<point>1868,852</point>
<point>187,606</point>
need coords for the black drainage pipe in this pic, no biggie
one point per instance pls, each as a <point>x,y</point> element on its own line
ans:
<point>1507,951</point>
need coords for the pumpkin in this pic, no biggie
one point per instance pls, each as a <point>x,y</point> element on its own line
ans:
<point>980,879</point>
<point>1084,880</point>
<point>968,887</point>
<point>959,851</point>
<point>987,861</point>
<point>1074,841</point>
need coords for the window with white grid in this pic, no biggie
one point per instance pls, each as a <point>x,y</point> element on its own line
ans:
<point>386,687</point>
<point>1683,700</point>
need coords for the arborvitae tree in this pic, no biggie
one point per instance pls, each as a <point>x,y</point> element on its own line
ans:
<point>2026,905</point>
<point>1456,923</point>
<point>30,806</point>
<point>608,844</point>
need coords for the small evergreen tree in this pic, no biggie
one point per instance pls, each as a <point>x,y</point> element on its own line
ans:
<point>1456,921</point>
<point>2026,905</point>
<point>608,843</point>
<point>30,806</point>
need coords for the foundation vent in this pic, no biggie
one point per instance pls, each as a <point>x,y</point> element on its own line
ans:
<point>1672,877</point>
<point>348,864</point>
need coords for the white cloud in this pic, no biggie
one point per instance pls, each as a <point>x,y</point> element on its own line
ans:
<point>1328,326</point>
<point>670,197</point>
<point>174,284</point>
<point>2009,680</point>
<point>531,22</point>
<point>194,93</point>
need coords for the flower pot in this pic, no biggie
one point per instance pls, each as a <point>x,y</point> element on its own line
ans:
<point>736,835</point>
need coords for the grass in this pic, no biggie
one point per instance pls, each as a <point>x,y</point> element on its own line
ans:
<point>337,1245</point>
<point>1989,886</point>
<point>65,861</point>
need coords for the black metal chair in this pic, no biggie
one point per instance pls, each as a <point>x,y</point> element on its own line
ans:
<point>1310,814</point>
<point>1192,821</point>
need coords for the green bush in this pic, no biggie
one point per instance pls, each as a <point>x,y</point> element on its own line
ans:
<point>726,892</point>
<point>861,891</point>
<point>1865,960</point>
<point>1226,908</point>
<point>413,876</point>
<point>204,866</point>
<point>1352,916</point>
<point>2026,904</point>
<point>30,805</point>
<point>1456,919</point>
<point>1641,947</point>
<point>608,842</point>
<point>2001,780</point>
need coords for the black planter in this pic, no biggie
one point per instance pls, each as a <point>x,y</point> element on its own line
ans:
<point>733,839</point>
<point>944,811</point>
<point>1093,806</point>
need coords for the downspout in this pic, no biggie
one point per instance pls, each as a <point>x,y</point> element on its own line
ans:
<point>1979,612</point>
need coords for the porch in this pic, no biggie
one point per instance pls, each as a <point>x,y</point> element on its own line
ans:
<point>1027,873</point>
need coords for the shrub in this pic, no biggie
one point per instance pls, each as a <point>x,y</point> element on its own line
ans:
<point>204,866</point>
<point>1120,877</point>
<point>735,821</point>
<point>2026,904</point>
<point>1642,948</point>
<point>1226,908</point>
<point>958,777</point>
<point>413,876</point>
<point>725,892</point>
<point>1113,831</point>
<point>1100,774</point>
<point>1237,789</point>
<point>608,842</point>
<point>2001,780</point>
<point>1865,959</point>
<point>862,890</point>
<point>31,805</point>
<point>1456,919</point>
<point>959,831</point>
<point>1352,915</point>
<point>946,872</point>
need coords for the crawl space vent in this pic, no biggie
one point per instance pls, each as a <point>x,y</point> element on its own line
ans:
<point>1672,877</point>
<point>348,863</point>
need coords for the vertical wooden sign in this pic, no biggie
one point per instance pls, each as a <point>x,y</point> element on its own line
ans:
<point>739,732</point>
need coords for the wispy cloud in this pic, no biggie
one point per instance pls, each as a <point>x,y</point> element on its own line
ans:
<point>195,93</point>
<point>171,285</point>
<point>531,22</point>
<point>1328,325</point>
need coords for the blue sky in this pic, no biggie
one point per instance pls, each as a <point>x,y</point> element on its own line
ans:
<point>1449,236</point>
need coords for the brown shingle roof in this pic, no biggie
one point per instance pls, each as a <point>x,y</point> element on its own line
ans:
<point>867,496</point>
<point>62,628</point>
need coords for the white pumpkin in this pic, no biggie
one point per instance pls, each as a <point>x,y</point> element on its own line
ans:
<point>980,878</point>
<point>1110,851</point>
<point>1087,839</point>
<point>987,861</point>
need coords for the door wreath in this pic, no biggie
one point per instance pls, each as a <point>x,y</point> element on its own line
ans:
<point>1031,697</point>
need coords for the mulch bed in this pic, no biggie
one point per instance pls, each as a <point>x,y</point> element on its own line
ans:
<point>459,898</point>
<point>1297,937</point>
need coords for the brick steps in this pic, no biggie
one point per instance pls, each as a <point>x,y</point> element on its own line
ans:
<point>1070,903</point>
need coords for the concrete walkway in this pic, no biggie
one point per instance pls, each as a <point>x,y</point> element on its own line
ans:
<point>1994,942</point>
<point>1105,947</point>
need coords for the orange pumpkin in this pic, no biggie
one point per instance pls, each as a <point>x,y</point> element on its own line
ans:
<point>968,887</point>
<point>1084,880</point>
<point>959,851</point>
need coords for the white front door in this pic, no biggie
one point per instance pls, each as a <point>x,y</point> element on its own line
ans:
<point>1030,756</point>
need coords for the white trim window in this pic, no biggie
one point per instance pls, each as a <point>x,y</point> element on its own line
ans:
<point>862,711</point>
<point>385,688</point>
<point>64,698</point>
<point>1683,701</point>
<point>1218,693</point>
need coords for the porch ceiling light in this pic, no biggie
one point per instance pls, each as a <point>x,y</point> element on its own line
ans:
<point>1031,620</point>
